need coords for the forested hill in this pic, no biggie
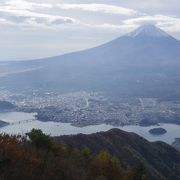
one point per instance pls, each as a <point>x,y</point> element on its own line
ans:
<point>38,157</point>
<point>112,155</point>
<point>161,160</point>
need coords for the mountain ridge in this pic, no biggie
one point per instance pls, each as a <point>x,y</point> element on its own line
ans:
<point>124,63</point>
<point>158,157</point>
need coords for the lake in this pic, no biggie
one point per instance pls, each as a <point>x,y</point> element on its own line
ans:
<point>21,122</point>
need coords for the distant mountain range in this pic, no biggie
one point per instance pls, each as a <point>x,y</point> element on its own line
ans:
<point>161,160</point>
<point>143,63</point>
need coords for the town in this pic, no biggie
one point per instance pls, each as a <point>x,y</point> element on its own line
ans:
<point>91,108</point>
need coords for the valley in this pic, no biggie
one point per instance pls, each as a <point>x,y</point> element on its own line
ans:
<point>131,81</point>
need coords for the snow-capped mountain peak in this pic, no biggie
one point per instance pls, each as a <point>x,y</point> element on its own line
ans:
<point>148,30</point>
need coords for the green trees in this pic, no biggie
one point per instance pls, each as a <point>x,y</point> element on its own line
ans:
<point>40,140</point>
<point>140,173</point>
<point>107,166</point>
<point>86,152</point>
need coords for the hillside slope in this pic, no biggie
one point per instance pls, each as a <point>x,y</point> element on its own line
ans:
<point>161,160</point>
<point>136,64</point>
<point>40,158</point>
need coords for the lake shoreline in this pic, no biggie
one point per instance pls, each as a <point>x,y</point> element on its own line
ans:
<point>24,122</point>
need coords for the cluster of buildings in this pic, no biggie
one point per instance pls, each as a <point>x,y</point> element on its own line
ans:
<point>90,108</point>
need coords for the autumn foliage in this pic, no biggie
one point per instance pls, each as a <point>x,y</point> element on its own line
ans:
<point>38,157</point>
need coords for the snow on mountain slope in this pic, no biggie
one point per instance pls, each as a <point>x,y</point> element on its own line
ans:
<point>148,30</point>
<point>145,62</point>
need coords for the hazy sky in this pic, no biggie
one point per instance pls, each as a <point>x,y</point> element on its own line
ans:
<point>39,28</point>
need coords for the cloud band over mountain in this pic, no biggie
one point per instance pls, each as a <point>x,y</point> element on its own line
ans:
<point>91,22</point>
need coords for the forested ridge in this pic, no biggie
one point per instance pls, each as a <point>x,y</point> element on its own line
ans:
<point>38,156</point>
<point>160,160</point>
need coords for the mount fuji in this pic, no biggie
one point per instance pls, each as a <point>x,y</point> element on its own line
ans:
<point>143,63</point>
<point>148,30</point>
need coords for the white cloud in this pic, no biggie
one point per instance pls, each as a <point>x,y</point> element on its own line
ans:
<point>169,23</point>
<point>5,21</point>
<point>25,5</point>
<point>57,26</point>
<point>26,14</point>
<point>121,28</point>
<point>21,12</point>
<point>33,14</point>
<point>103,8</point>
